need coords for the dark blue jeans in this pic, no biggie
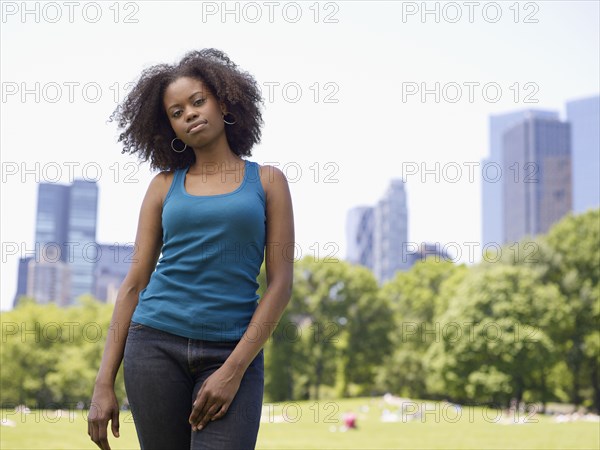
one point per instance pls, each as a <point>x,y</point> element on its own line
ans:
<point>163,374</point>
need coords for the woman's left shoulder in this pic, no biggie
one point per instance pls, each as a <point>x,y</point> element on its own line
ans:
<point>272,178</point>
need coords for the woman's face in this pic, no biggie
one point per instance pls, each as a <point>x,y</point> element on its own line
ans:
<point>193,111</point>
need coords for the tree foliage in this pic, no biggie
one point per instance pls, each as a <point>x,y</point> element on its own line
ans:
<point>50,355</point>
<point>522,324</point>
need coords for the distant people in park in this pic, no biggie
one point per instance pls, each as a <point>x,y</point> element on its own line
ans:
<point>349,419</point>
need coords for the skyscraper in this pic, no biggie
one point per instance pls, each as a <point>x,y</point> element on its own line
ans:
<point>584,117</point>
<point>47,274</point>
<point>377,236</point>
<point>536,166</point>
<point>52,221</point>
<point>48,281</point>
<point>491,183</point>
<point>22,279</point>
<point>81,235</point>
<point>110,270</point>
<point>391,232</point>
<point>65,244</point>
<point>360,222</point>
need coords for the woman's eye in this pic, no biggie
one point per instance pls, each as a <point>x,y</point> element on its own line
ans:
<point>197,102</point>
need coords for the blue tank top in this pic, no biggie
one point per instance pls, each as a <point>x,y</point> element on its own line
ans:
<point>204,285</point>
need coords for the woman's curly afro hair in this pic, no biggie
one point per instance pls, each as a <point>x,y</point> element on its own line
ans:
<point>147,130</point>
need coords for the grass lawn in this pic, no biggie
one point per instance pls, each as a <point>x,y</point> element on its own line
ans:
<point>316,425</point>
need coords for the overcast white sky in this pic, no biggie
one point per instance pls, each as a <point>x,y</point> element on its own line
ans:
<point>362,55</point>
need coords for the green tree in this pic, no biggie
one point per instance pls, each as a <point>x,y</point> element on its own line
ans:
<point>568,256</point>
<point>281,350</point>
<point>499,347</point>
<point>417,298</point>
<point>343,325</point>
<point>365,330</point>
<point>575,268</point>
<point>50,355</point>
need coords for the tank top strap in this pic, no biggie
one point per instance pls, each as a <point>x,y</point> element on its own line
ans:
<point>179,179</point>
<point>175,188</point>
<point>252,181</point>
<point>253,175</point>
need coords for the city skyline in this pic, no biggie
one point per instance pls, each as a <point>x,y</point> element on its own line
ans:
<point>582,137</point>
<point>376,235</point>
<point>336,154</point>
<point>383,226</point>
<point>551,165</point>
<point>68,261</point>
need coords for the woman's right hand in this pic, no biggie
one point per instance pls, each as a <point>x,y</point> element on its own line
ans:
<point>104,407</point>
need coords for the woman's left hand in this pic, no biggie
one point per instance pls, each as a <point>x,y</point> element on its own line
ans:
<point>215,396</point>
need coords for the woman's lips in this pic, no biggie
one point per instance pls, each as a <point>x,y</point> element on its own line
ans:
<point>197,128</point>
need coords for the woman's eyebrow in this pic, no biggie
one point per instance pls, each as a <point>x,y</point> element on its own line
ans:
<point>177,104</point>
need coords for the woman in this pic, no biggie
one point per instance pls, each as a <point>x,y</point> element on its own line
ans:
<point>190,333</point>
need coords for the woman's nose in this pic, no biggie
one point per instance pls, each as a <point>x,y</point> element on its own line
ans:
<point>191,114</point>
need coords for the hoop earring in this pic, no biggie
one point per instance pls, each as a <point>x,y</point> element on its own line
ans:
<point>229,123</point>
<point>175,150</point>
